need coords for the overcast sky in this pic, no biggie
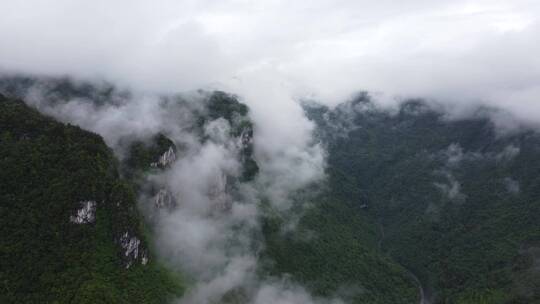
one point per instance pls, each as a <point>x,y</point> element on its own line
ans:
<point>456,50</point>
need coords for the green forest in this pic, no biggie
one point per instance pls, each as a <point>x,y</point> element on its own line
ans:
<point>455,201</point>
<point>47,169</point>
<point>412,203</point>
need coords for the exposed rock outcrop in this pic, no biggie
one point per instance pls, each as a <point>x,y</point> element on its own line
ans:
<point>164,200</point>
<point>86,214</point>
<point>165,159</point>
<point>132,250</point>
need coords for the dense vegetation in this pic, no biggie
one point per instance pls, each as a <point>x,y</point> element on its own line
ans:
<point>333,251</point>
<point>48,168</point>
<point>456,202</point>
<point>142,154</point>
<point>408,194</point>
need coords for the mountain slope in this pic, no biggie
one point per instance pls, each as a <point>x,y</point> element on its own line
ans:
<point>333,251</point>
<point>408,194</point>
<point>458,202</point>
<point>70,228</point>
<point>341,260</point>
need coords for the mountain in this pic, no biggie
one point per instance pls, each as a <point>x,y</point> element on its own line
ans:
<point>71,231</point>
<point>455,201</point>
<point>415,207</point>
<point>353,266</point>
<point>332,250</point>
<point>84,231</point>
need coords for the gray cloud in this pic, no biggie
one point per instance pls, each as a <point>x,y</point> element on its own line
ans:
<point>461,51</point>
<point>455,155</point>
<point>511,185</point>
<point>451,187</point>
<point>508,153</point>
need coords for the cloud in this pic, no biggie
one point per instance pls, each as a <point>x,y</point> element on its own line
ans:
<point>511,185</point>
<point>280,294</point>
<point>461,51</point>
<point>451,188</point>
<point>284,144</point>
<point>455,155</point>
<point>454,152</point>
<point>508,153</point>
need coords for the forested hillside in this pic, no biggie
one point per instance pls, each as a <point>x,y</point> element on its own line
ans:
<point>71,232</point>
<point>413,203</point>
<point>457,202</point>
<point>332,250</point>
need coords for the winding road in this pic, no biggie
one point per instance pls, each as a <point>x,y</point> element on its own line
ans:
<point>425,296</point>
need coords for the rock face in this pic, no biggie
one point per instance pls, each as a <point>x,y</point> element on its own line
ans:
<point>86,214</point>
<point>157,152</point>
<point>249,166</point>
<point>165,159</point>
<point>219,193</point>
<point>164,200</point>
<point>132,250</point>
<point>147,159</point>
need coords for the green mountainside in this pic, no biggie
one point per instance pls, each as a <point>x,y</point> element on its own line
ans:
<point>85,240</point>
<point>412,202</point>
<point>333,251</point>
<point>341,260</point>
<point>70,229</point>
<point>455,202</point>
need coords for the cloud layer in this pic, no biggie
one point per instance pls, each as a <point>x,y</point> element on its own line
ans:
<point>481,51</point>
